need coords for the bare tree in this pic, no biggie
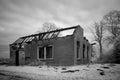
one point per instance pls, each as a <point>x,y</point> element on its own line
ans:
<point>47,26</point>
<point>98,32</point>
<point>112,23</point>
<point>116,51</point>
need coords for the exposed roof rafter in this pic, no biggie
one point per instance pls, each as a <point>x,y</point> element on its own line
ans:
<point>43,35</point>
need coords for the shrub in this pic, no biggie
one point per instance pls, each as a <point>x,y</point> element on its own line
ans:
<point>4,61</point>
<point>36,63</point>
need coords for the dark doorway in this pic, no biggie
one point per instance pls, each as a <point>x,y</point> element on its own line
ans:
<point>17,58</point>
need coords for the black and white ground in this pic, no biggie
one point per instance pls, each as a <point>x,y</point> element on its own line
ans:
<point>81,72</point>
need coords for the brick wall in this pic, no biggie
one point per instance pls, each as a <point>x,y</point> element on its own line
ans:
<point>63,52</point>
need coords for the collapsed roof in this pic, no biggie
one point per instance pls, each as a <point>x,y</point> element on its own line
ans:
<point>46,35</point>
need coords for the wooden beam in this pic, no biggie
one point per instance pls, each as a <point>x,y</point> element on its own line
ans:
<point>52,31</point>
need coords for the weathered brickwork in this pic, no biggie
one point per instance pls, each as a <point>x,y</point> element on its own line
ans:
<point>66,51</point>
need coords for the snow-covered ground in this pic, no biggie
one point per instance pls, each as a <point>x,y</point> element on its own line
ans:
<point>81,72</point>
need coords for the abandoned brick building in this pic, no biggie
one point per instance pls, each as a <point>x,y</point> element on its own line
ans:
<point>61,47</point>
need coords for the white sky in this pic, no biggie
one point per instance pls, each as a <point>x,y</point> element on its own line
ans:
<point>23,17</point>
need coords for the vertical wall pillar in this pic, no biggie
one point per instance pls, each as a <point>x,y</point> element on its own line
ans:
<point>85,52</point>
<point>75,52</point>
<point>90,53</point>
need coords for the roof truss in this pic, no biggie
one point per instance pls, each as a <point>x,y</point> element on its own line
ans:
<point>42,36</point>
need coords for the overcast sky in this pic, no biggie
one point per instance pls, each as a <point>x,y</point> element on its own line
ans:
<point>22,17</point>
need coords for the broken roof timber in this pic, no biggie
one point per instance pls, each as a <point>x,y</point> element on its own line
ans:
<point>44,35</point>
<point>52,31</point>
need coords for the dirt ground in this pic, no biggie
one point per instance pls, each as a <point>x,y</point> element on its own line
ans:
<point>9,77</point>
<point>80,72</point>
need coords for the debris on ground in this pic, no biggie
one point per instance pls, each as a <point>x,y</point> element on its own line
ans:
<point>64,69</point>
<point>78,72</point>
<point>86,69</point>
<point>105,67</point>
<point>99,69</point>
<point>72,71</point>
<point>111,65</point>
<point>101,72</point>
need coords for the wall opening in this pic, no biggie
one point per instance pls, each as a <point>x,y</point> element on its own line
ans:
<point>83,51</point>
<point>45,52</point>
<point>17,58</point>
<point>87,52</point>
<point>78,49</point>
<point>49,52</point>
<point>41,52</point>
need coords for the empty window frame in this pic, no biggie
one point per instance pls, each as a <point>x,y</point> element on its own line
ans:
<point>78,49</point>
<point>87,52</point>
<point>45,52</point>
<point>41,52</point>
<point>83,51</point>
<point>49,51</point>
